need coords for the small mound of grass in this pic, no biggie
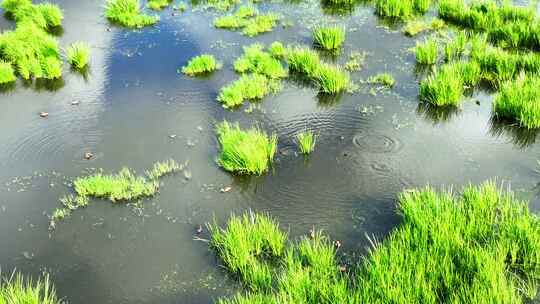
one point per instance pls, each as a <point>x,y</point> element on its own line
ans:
<point>160,169</point>
<point>158,4</point>
<point>331,79</point>
<point>329,38</point>
<point>201,64</point>
<point>260,24</point>
<point>247,87</point>
<point>384,79</point>
<point>444,88</point>
<point>245,152</point>
<point>455,48</point>
<point>306,142</point>
<point>519,100</point>
<point>401,9</point>
<point>247,247</point>
<point>415,27</point>
<point>249,20</point>
<point>256,60</point>
<point>43,15</point>
<point>7,74</point>
<point>427,52</point>
<point>277,50</point>
<point>128,13</point>
<point>303,60</point>
<point>78,55</point>
<point>18,290</point>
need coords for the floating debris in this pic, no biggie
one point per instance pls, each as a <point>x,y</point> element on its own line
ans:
<point>225,189</point>
<point>43,114</point>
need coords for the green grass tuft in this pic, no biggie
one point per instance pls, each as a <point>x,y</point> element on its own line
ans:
<point>247,247</point>
<point>245,152</point>
<point>384,79</point>
<point>128,13</point>
<point>454,49</point>
<point>18,290</point>
<point>303,60</point>
<point>256,60</point>
<point>260,24</point>
<point>7,74</point>
<point>78,55</point>
<point>160,169</point>
<point>249,20</point>
<point>331,79</point>
<point>444,88</point>
<point>44,15</point>
<point>426,52</point>
<point>519,100</point>
<point>201,64</point>
<point>247,87</point>
<point>277,50</point>
<point>329,38</point>
<point>306,142</point>
<point>158,4</point>
<point>415,27</point>
<point>401,9</point>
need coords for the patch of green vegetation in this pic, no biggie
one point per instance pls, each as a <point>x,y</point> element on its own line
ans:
<point>245,151</point>
<point>519,100</point>
<point>247,87</point>
<point>277,50</point>
<point>78,55</point>
<point>448,249</point>
<point>249,20</point>
<point>256,60</point>
<point>455,47</point>
<point>401,9</point>
<point>331,79</point>
<point>355,62</point>
<point>221,5</point>
<point>128,13</point>
<point>160,169</point>
<point>385,79</point>
<point>505,24</point>
<point>247,247</point>
<point>303,60</point>
<point>415,27</point>
<point>427,51</point>
<point>443,88</point>
<point>18,290</point>
<point>7,74</point>
<point>306,142</point>
<point>201,64</point>
<point>158,4</point>
<point>43,15</point>
<point>329,38</point>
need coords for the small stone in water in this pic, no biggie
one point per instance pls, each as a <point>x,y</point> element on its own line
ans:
<point>88,155</point>
<point>43,114</point>
<point>75,103</point>
<point>226,189</point>
<point>172,136</point>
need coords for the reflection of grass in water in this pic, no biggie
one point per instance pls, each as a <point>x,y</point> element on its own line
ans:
<point>520,136</point>
<point>458,245</point>
<point>436,114</point>
<point>128,13</point>
<point>20,290</point>
<point>245,151</point>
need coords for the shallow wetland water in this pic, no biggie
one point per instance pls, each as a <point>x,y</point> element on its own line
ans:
<point>134,109</point>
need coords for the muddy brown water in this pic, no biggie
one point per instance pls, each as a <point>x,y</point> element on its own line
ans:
<point>133,100</point>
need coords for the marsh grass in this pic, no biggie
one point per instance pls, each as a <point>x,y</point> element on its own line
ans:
<point>256,60</point>
<point>128,13</point>
<point>277,50</point>
<point>415,27</point>
<point>44,15</point>
<point>260,24</point>
<point>20,290</point>
<point>160,169</point>
<point>245,151</point>
<point>331,79</point>
<point>248,245</point>
<point>78,55</point>
<point>306,142</point>
<point>329,38</point>
<point>356,61</point>
<point>7,74</point>
<point>443,88</point>
<point>448,248</point>
<point>519,100</point>
<point>455,48</point>
<point>249,20</point>
<point>158,4</point>
<point>401,9</point>
<point>303,60</point>
<point>201,64</point>
<point>384,79</point>
<point>247,87</point>
<point>427,52</point>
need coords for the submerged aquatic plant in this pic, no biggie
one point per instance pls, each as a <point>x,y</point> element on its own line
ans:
<point>20,290</point>
<point>128,13</point>
<point>306,142</point>
<point>385,79</point>
<point>201,64</point>
<point>78,55</point>
<point>247,87</point>
<point>519,100</point>
<point>256,60</point>
<point>329,38</point>
<point>426,52</point>
<point>245,151</point>
<point>7,74</point>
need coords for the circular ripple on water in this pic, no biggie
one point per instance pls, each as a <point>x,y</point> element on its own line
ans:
<point>376,143</point>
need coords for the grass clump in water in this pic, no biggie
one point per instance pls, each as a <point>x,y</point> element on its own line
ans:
<point>426,52</point>
<point>201,64</point>
<point>277,50</point>
<point>306,142</point>
<point>247,87</point>
<point>163,168</point>
<point>401,9</point>
<point>256,60</point>
<point>455,48</point>
<point>249,20</point>
<point>158,4</point>
<point>385,79</point>
<point>260,24</point>
<point>245,152</point>
<point>355,62</point>
<point>43,15</point>
<point>519,100</point>
<point>444,88</point>
<point>7,74</point>
<point>303,61</point>
<point>128,13</point>
<point>248,245</point>
<point>18,290</point>
<point>78,55</point>
<point>329,38</point>
<point>415,27</point>
<point>331,79</point>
